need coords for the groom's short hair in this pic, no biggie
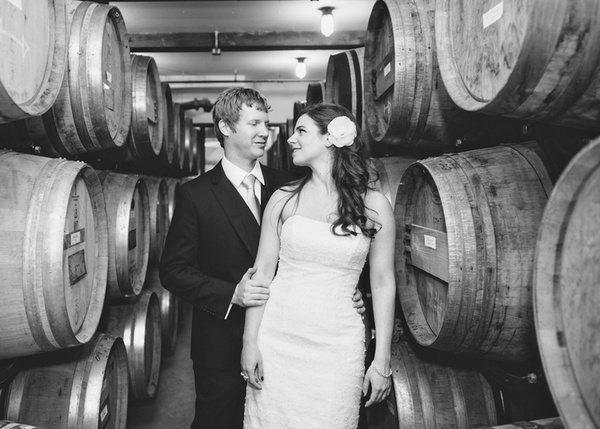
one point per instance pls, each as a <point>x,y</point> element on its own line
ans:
<point>229,103</point>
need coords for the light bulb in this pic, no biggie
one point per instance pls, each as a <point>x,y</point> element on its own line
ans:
<point>300,68</point>
<point>327,21</point>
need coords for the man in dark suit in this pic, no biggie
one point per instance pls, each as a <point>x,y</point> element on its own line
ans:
<point>211,243</point>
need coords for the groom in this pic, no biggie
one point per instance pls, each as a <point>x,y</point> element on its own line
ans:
<point>211,243</point>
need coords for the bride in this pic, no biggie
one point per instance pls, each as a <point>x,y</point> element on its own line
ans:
<point>303,352</point>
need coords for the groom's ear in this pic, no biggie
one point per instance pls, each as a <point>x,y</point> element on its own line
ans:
<point>224,128</point>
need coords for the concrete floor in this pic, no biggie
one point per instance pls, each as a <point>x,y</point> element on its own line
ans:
<point>173,405</point>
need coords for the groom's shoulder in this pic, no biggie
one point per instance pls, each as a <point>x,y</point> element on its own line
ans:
<point>200,182</point>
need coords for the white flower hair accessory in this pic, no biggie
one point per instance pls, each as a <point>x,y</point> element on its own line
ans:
<point>342,132</point>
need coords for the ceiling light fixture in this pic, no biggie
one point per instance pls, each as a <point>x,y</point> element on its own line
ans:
<point>216,50</point>
<point>327,21</point>
<point>301,68</point>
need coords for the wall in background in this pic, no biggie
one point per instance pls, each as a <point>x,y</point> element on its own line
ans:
<point>281,96</point>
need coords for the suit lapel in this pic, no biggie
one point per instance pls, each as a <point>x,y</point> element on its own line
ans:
<point>236,210</point>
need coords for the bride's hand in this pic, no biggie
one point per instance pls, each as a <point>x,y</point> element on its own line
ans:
<point>380,385</point>
<point>252,365</point>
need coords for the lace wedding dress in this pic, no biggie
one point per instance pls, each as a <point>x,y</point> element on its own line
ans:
<point>311,337</point>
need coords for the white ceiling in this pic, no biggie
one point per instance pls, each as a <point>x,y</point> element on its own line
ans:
<point>241,16</point>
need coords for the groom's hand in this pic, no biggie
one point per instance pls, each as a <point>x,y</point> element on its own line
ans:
<point>252,290</point>
<point>359,304</point>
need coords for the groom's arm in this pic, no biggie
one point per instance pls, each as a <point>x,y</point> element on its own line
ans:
<point>179,271</point>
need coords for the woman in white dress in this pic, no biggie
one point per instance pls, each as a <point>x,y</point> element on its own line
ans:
<point>303,352</point>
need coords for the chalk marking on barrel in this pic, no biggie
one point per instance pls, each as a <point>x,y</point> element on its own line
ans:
<point>22,43</point>
<point>493,15</point>
<point>17,3</point>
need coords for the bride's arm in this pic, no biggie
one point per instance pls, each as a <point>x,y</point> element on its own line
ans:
<point>265,264</point>
<point>383,290</point>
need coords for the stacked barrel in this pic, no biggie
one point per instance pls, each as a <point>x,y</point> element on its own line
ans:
<point>483,122</point>
<point>90,165</point>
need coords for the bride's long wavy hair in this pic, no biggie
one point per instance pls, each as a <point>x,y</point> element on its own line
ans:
<point>350,170</point>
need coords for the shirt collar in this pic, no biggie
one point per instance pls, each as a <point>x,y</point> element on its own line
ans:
<point>235,174</point>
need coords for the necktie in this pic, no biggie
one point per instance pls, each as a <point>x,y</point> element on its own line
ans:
<point>251,200</point>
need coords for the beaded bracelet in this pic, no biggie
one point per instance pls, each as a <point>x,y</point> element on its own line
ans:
<point>381,374</point>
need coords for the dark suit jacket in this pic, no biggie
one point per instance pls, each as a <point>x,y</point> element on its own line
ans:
<point>212,241</point>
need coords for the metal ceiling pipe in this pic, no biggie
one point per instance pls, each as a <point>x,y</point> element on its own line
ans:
<point>205,103</point>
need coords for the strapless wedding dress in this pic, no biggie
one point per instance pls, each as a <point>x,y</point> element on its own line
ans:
<point>311,337</point>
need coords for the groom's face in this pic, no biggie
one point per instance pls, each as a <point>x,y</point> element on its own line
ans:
<point>248,138</point>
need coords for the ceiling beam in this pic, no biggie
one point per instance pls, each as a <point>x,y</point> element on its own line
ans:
<point>244,41</point>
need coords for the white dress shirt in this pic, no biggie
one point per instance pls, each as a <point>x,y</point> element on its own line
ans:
<point>235,175</point>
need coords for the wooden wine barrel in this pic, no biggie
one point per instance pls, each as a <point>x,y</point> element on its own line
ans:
<point>315,93</point>
<point>138,323</point>
<point>128,213</point>
<point>172,185</point>
<point>8,369</point>
<point>33,136</point>
<point>83,387</point>
<point>276,151</point>
<point>146,134</point>
<point>187,145</point>
<point>169,310</point>
<point>466,227</point>
<point>53,253</point>
<point>201,152</point>
<point>427,394</point>
<point>566,299</point>
<point>33,48</point>
<point>390,170</point>
<point>405,101</point>
<point>5,424</point>
<point>93,109</point>
<point>551,423</point>
<point>195,155</point>
<point>537,60</point>
<point>344,77</point>
<point>178,128</point>
<point>298,107</point>
<point>521,391</point>
<point>158,203</point>
<point>168,147</point>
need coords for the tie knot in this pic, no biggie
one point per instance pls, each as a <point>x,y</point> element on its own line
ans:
<point>248,181</point>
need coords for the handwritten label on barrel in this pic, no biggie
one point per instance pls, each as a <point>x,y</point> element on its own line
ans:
<point>429,241</point>
<point>104,416</point>
<point>493,15</point>
<point>430,253</point>
<point>77,269</point>
<point>74,238</point>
